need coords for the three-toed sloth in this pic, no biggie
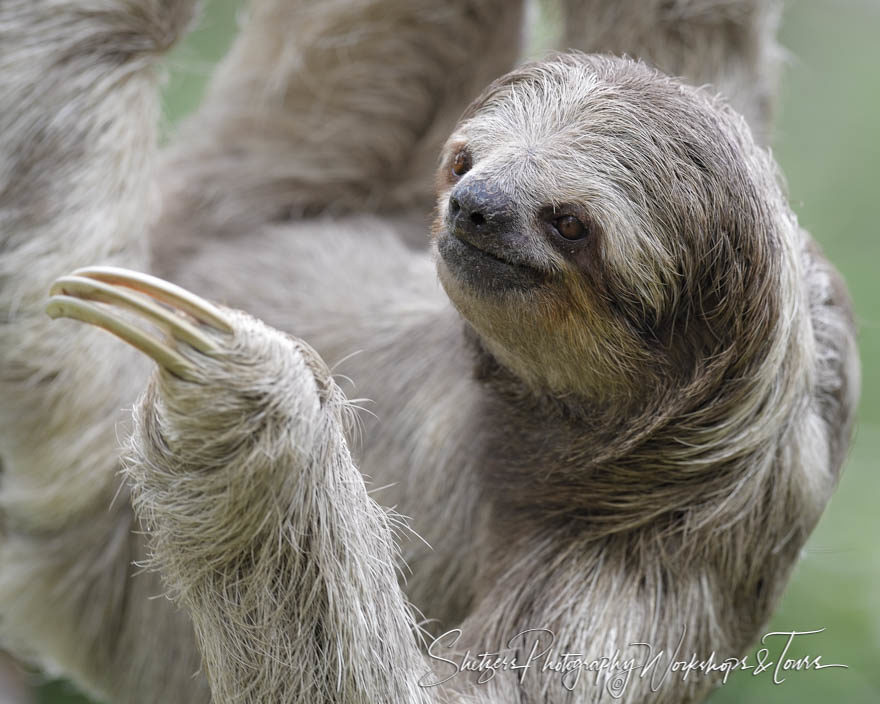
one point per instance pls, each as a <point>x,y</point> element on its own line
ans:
<point>615,421</point>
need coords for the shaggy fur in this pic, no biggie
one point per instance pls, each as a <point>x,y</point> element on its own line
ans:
<point>729,44</point>
<point>626,437</point>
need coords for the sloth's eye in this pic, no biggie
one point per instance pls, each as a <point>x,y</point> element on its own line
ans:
<point>461,162</point>
<point>570,227</point>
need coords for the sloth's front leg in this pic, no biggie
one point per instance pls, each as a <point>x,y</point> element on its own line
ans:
<point>259,521</point>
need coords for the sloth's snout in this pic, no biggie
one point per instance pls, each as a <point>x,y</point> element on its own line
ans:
<point>479,210</point>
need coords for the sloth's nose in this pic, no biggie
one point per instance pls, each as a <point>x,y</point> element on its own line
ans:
<point>479,209</point>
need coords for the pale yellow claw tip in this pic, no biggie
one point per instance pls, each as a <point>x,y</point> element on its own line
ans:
<point>95,290</point>
<point>76,309</point>
<point>175,296</point>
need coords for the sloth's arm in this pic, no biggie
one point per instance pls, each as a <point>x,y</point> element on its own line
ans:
<point>263,530</point>
<point>728,44</point>
<point>259,520</point>
<point>78,96</point>
<point>334,106</point>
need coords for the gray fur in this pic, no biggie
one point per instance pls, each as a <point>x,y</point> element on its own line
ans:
<point>639,446</point>
<point>727,44</point>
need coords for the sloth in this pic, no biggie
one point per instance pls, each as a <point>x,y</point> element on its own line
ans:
<point>601,412</point>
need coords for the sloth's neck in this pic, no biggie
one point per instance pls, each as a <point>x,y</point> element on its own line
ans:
<point>655,463</point>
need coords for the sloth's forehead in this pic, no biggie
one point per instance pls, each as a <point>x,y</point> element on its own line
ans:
<point>498,134</point>
<point>538,116</point>
<point>580,126</point>
<point>577,106</point>
<point>564,158</point>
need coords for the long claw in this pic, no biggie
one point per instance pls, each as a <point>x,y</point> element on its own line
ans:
<point>175,296</point>
<point>70,307</point>
<point>95,290</point>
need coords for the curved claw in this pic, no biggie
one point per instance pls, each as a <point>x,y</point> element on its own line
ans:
<point>70,307</point>
<point>161,290</point>
<point>94,294</point>
<point>95,290</point>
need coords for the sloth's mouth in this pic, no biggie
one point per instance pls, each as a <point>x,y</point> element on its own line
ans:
<point>483,270</point>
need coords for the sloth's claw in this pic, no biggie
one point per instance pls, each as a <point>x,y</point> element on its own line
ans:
<point>161,290</point>
<point>77,296</point>
<point>69,307</point>
<point>95,290</point>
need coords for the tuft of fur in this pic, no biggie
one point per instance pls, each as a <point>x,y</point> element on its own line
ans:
<point>634,450</point>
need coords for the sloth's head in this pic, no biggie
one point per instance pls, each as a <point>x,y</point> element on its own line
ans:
<point>605,229</point>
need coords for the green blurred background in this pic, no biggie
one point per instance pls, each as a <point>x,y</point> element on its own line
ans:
<point>828,142</point>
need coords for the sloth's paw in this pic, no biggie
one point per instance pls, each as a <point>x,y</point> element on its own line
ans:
<point>240,426</point>
<point>225,378</point>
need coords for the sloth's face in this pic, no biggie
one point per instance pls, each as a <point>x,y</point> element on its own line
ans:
<point>589,215</point>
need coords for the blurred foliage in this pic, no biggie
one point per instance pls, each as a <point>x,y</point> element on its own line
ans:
<point>828,142</point>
